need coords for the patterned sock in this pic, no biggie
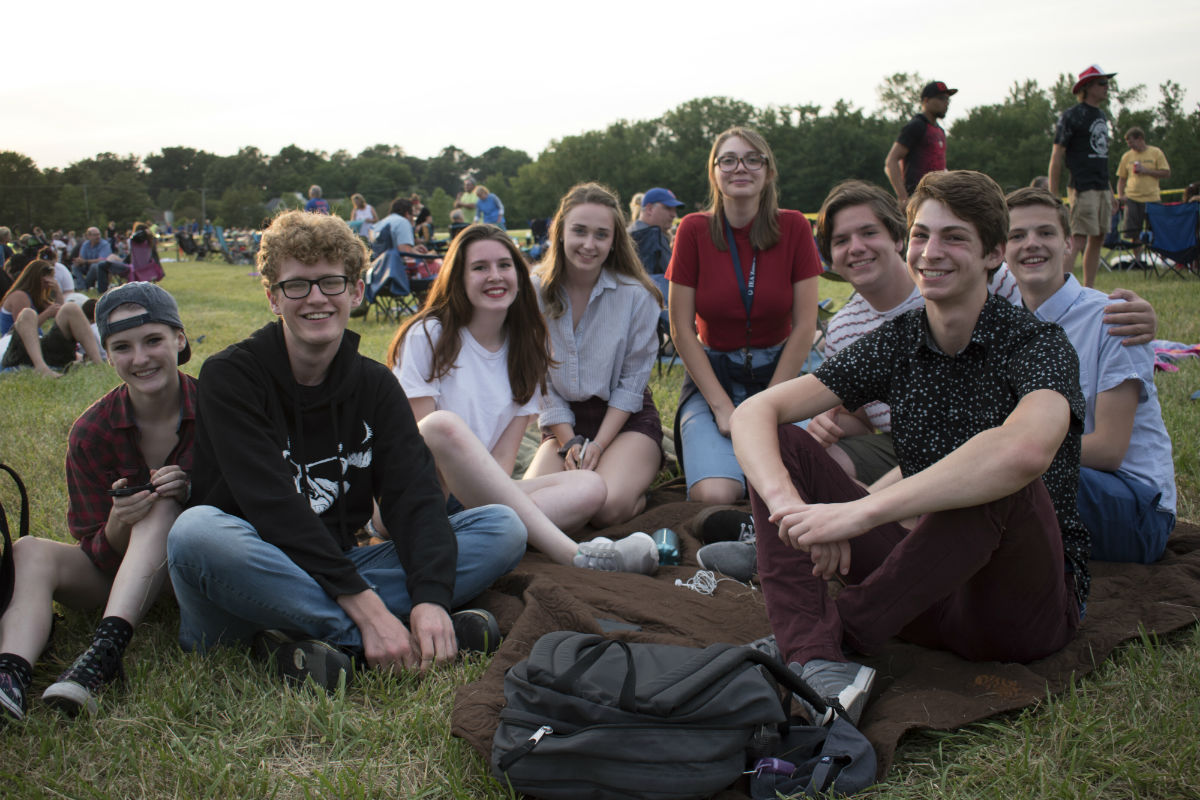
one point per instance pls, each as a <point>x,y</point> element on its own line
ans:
<point>18,667</point>
<point>116,630</point>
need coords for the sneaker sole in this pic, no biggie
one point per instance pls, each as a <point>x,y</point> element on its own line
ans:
<point>476,631</point>
<point>296,661</point>
<point>70,698</point>
<point>740,577</point>
<point>13,711</point>
<point>854,697</point>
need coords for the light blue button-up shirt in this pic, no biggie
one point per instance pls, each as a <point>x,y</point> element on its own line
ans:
<point>1105,363</point>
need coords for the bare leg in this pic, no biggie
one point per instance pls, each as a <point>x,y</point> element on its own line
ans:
<point>72,321</point>
<point>717,491</point>
<point>1091,260</point>
<point>842,460</point>
<point>628,467</point>
<point>143,570</point>
<point>46,570</point>
<point>474,477</point>
<point>569,499</point>
<point>546,461</point>
<point>26,327</point>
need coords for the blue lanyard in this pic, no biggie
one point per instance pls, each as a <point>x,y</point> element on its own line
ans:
<point>745,287</point>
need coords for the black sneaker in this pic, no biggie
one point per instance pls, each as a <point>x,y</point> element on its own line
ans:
<point>76,689</point>
<point>723,524</point>
<point>12,698</point>
<point>476,630</point>
<point>295,660</point>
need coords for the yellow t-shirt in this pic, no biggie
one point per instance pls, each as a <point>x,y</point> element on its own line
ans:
<point>1139,186</point>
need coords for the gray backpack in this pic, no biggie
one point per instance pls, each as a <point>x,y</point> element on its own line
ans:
<point>589,717</point>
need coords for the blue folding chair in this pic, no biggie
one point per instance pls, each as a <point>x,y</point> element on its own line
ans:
<point>388,289</point>
<point>1174,238</point>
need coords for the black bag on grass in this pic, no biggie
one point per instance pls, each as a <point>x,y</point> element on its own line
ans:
<point>588,717</point>
<point>7,570</point>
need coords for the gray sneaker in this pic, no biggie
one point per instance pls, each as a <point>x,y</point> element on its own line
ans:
<point>637,552</point>
<point>738,560</point>
<point>843,683</point>
<point>298,659</point>
<point>768,645</point>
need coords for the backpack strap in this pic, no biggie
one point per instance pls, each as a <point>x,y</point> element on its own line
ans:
<point>790,680</point>
<point>7,568</point>
<point>565,682</point>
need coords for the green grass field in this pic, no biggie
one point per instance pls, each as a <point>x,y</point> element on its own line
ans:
<point>221,727</point>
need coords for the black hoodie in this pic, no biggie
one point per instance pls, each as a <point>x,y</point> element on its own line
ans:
<point>273,452</point>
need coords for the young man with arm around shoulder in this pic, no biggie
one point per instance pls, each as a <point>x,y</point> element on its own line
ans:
<point>128,459</point>
<point>1127,480</point>
<point>298,435</point>
<point>986,420</point>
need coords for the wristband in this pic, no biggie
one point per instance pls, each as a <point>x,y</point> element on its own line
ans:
<point>577,439</point>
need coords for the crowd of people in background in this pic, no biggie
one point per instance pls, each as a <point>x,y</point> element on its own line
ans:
<point>255,481</point>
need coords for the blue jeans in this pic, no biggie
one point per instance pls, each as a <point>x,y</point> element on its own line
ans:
<point>230,584</point>
<point>1123,517</point>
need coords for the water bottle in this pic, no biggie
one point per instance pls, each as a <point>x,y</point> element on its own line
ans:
<point>667,542</point>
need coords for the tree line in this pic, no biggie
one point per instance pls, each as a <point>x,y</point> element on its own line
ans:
<point>814,149</point>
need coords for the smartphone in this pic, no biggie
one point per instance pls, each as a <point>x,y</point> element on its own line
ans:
<point>126,491</point>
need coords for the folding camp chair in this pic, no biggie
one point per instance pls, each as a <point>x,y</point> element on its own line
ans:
<point>1173,238</point>
<point>388,289</point>
<point>1113,243</point>
<point>666,347</point>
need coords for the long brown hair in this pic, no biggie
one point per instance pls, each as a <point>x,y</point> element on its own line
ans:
<point>622,260</point>
<point>30,282</point>
<point>764,231</point>
<point>529,357</point>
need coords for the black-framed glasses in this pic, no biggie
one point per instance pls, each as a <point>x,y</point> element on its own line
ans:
<point>751,161</point>
<point>299,288</point>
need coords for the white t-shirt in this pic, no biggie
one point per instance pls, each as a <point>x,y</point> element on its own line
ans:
<point>64,278</point>
<point>477,389</point>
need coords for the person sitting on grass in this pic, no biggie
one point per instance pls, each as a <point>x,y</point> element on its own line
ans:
<point>128,459</point>
<point>1127,479</point>
<point>860,232</point>
<point>25,307</point>
<point>298,437</point>
<point>473,363</point>
<point>601,309</point>
<point>975,544</point>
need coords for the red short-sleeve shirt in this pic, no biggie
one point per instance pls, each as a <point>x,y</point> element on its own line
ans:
<point>720,313</point>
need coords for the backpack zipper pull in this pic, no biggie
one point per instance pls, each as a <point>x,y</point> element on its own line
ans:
<point>517,754</point>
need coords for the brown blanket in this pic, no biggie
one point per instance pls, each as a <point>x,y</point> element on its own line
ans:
<point>915,688</point>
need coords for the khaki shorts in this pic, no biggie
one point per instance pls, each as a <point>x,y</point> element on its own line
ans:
<point>1091,212</point>
<point>872,454</point>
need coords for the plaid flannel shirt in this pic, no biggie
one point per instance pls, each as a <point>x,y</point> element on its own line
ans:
<point>102,447</point>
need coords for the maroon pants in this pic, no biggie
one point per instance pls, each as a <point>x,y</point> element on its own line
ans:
<point>985,582</point>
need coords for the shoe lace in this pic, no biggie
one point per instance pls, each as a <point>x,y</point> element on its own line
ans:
<point>746,534</point>
<point>602,556</point>
<point>98,665</point>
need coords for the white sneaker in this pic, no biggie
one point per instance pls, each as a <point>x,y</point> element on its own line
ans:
<point>635,553</point>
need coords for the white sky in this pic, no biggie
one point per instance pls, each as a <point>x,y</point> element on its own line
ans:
<point>131,77</point>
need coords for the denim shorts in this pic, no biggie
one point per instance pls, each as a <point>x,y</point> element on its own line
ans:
<point>706,453</point>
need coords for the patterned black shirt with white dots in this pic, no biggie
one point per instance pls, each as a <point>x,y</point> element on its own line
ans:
<point>940,401</point>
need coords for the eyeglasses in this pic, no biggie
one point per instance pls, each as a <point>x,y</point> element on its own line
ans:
<point>751,161</point>
<point>1101,83</point>
<point>299,288</point>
